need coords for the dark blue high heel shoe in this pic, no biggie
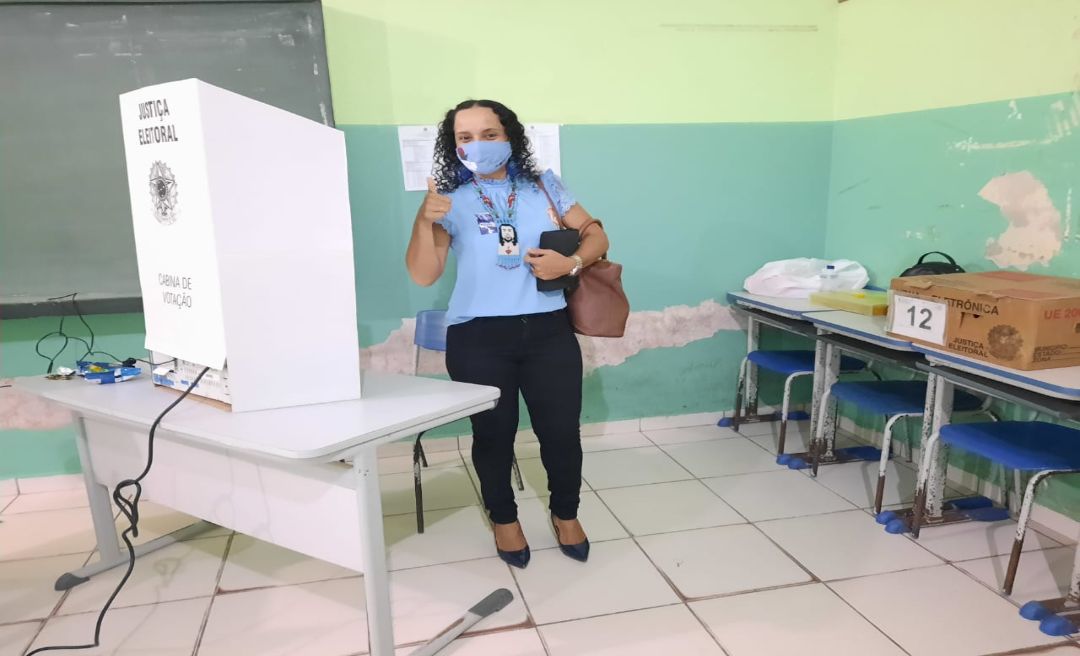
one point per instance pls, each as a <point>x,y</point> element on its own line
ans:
<point>519,558</point>
<point>579,551</point>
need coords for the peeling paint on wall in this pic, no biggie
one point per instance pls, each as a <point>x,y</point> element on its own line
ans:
<point>1034,232</point>
<point>22,411</point>
<point>1064,118</point>
<point>672,327</point>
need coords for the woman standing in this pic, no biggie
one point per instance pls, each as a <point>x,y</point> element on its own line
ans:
<point>487,203</point>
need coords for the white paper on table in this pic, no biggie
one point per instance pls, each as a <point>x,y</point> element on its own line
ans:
<point>417,145</point>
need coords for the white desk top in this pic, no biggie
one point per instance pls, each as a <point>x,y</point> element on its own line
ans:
<point>393,406</point>
<point>792,308</point>
<point>1063,383</point>
<point>858,326</point>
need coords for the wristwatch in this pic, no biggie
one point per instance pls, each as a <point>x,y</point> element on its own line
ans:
<point>577,265</point>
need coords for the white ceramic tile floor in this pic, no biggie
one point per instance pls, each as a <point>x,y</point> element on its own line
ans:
<point>253,563</point>
<point>435,459</point>
<point>59,500</point>
<point>808,620</point>
<point>681,421</point>
<point>762,428</point>
<point>519,642</point>
<point>187,570</point>
<point>426,600</point>
<point>5,501</point>
<point>15,638</point>
<point>618,577</point>
<point>613,442</point>
<point>691,538</point>
<point>940,611</point>
<point>625,467</point>
<point>26,586</point>
<point>712,561</point>
<point>1040,575</point>
<point>46,533</point>
<point>970,540</point>
<point>665,630</point>
<point>168,629</point>
<point>776,494</point>
<point>445,487</point>
<point>690,434</point>
<point>666,507</point>
<point>843,545</point>
<point>326,618</point>
<point>51,483</point>
<point>722,457</point>
<point>857,482</point>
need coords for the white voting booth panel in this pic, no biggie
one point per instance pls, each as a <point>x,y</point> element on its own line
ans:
<point>244,242</point>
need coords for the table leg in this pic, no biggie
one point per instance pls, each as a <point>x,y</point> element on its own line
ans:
<point>110,554</point>
<point>821,353</point>
<point>373,546</point>
<point>831,374</point>
<point>750,392</point>
<point>941,416</point>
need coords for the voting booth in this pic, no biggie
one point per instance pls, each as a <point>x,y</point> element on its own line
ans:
<point>244,242</point>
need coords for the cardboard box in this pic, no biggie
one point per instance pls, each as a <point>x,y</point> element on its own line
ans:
<point>1017,320</point>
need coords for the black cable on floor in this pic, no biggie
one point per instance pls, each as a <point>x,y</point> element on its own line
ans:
<point>130,509</point>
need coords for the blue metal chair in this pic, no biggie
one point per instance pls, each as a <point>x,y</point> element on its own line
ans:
<point>894,400</point>
<point>1040,448</point>
<point>430,335</point>
<point>791,365</point>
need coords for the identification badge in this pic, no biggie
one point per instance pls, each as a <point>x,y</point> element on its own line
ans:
<point>486,223</point>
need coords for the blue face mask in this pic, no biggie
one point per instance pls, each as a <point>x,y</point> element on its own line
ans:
<point>484,157</point>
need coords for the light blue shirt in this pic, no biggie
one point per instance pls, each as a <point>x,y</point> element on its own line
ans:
<point>482,288</point>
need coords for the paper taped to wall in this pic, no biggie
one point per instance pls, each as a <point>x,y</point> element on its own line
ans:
<point>417,146</point>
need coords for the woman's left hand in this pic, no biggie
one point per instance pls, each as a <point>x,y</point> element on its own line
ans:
<point>548,264</point>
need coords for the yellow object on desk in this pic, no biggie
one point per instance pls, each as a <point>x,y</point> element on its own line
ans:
<point>872,303</point>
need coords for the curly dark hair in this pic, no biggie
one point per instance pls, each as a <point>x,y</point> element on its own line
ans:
<point>450,173</point>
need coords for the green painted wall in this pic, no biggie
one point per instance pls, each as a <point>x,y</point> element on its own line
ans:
<point>595,62</point>
<point>905,184</point>
<point>905,55</point>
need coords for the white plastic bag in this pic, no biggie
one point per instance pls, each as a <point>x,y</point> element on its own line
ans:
<point>801,277</point>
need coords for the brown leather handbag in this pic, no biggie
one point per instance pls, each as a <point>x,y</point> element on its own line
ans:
<point>598,307</point>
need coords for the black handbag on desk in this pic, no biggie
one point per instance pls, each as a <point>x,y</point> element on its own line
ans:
<point>922,268</point>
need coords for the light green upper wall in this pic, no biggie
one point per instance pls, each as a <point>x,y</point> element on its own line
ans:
<point>897,56</point>
<point>583,62</point>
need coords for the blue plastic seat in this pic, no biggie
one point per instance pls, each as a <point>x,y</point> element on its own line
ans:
<point>431,330</point>
<point>1020,445</point>
<point>796,362</point>
<point>894,400</point>
<point>1038,447</point>
<point>894,397</point>
<point>791,365</point>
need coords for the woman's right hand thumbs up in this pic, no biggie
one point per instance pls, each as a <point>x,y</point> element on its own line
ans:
<point>435,206</point>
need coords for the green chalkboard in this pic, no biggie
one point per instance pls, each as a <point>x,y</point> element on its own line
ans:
<point>65,219</point>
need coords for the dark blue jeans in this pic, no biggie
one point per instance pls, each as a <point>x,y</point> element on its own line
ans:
<point>538,356</point>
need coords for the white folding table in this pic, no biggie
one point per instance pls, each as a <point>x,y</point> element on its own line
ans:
<point>274,475</point>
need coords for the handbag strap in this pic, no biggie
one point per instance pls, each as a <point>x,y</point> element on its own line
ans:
<point>945,255</point>
<point>590,222</point>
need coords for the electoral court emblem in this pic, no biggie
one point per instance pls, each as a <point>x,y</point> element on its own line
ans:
<point>163,193</point>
